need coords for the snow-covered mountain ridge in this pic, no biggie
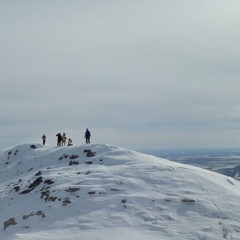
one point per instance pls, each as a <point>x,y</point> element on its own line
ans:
<point>99,191</point>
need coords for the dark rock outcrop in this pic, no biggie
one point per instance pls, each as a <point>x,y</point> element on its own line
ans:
<point>73,156</point>
<point>73,163</point>
<point>48,181</point>
<point>36,182</point>
<point>9,222</point>
<point>63,156</point>
<point>72,189</point>
<point>38,213</point>
<point>89,153</point>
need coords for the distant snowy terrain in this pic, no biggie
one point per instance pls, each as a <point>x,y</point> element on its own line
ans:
<point>99,191</point>
<point>223,161</point>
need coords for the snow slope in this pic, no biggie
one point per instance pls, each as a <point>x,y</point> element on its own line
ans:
<point>100,192</point>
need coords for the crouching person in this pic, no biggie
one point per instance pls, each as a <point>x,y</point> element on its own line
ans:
<point>70,142</point>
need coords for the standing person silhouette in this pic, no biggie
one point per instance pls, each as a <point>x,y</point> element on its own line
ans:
<point>64,138</point>
<point>59,139</point>
<point>87,136</point>
<point>44,139</point>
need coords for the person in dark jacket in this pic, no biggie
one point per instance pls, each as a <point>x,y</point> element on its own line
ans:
<point>87,136</point>
<point>44,139</point>
<point>59,139</point>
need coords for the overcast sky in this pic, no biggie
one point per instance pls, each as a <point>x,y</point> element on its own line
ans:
<point>139,74</point>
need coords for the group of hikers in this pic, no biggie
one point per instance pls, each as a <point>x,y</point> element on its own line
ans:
<point>61,139</point>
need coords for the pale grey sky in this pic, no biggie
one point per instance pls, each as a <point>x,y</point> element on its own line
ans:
<point>139,74</point>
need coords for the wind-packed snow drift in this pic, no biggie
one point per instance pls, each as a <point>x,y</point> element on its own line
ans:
<point>100,192</point>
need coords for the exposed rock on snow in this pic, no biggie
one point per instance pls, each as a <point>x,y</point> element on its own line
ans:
<point>9,222</point>
<point>38,213</point>
<point>89,153</point>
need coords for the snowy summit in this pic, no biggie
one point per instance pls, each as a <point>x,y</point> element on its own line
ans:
<point>100,192</point>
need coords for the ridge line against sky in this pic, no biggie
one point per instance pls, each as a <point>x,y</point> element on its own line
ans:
<point>138,74</point>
